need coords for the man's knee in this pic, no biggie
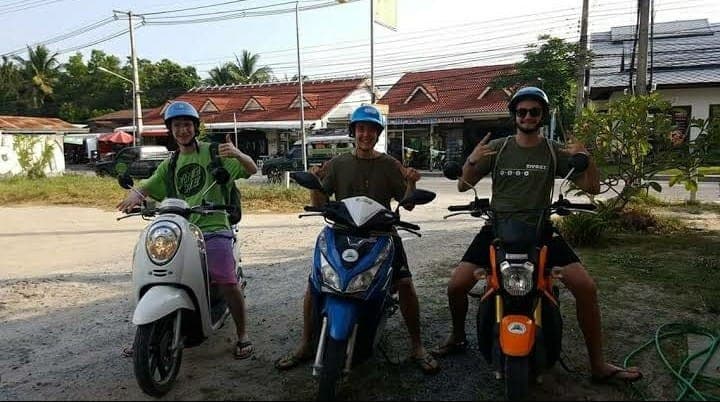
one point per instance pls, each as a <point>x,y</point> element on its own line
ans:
<point>462,279</point>
<point>578,280</point>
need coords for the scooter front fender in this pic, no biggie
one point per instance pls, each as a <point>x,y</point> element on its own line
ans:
<point>342,315</point>
<point>160,301</point>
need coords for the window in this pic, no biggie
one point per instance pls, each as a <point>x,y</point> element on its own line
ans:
<point>714,112</point>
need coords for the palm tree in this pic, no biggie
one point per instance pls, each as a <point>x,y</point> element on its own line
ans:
<point>248,71</point>
<point>10,82</point>
<point>41,70</point>
<point>222,75</point>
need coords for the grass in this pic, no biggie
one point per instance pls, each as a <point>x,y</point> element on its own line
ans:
<point>706,170</point>
<point>684,264</point>
<point>104,193</point>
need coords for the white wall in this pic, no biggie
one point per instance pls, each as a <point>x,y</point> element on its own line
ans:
<point>9,164</point>
<point>351,102</point>
<point>699,99</point>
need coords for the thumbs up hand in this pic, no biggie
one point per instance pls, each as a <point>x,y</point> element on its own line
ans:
<point>227,149</point>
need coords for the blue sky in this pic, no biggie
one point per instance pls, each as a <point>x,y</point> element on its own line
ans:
<point>334,40</point>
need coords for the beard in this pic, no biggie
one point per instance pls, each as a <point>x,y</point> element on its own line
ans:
<point>529,130</point>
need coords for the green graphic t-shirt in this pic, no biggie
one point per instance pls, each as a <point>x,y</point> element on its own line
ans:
<point>523,177</point>
<point>379,178</point>
<point>192,178</point>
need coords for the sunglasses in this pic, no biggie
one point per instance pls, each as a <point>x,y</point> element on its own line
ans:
<point>534,112</point>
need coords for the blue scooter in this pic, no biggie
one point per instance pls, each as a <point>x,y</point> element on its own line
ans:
<point>350,280</point>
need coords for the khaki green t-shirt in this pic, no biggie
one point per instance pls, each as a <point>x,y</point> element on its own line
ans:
<point>380,178</point>
<point>192,177</point>
<point>523,178</point>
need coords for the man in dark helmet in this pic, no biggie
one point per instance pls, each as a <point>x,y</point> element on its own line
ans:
<point>524,168</point>
<point>381,177</point>
<point>187,174</point>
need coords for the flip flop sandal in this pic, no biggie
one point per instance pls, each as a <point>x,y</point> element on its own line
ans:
<point>426,364</point>
<point>613,377</point>
<point>450,349</point>
<point>243,350</point>
<point>290,361</point>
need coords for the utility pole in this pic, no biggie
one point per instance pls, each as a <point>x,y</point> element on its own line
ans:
<point>300,82</point>
<point>582,61</point>
<point>372,52</point>
<point>136,81</point>
<point>642,57</point>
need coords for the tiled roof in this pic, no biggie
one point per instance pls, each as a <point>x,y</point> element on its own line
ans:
<point>683,53</point>
<point>275,98</point>
<point>456,92</point>
<point>14,123</point>
<point>126,114</point>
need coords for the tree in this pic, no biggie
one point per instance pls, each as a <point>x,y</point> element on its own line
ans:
<point>633,141</point>
<point>552,68</point>
<point>10,82</point>
<point>248,71</point>
<point>163,80</point>
<point>40,70</point>
<point>223,75</point>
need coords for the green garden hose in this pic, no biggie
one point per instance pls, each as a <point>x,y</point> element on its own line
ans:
<point>686,379</point>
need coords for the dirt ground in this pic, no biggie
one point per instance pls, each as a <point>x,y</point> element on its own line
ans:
<point>65,311</point>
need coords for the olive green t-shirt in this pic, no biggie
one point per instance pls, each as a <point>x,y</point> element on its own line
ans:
<point>379,178</point>
<point>523,178</point>
<point>192,177</point>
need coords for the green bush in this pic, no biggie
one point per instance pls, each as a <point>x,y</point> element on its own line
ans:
<point>583,229</point>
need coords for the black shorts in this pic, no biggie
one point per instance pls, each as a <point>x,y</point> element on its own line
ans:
<point>400,262</point>
<point>559,252</point>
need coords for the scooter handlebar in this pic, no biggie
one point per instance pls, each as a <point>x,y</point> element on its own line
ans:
<point>467,207</point>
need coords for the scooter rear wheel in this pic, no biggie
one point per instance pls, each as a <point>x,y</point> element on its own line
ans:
<point>156,364</point>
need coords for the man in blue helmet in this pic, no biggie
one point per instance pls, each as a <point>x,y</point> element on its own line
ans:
<point>381,177</point>
<point>186,175</point>
<point>524,168</point>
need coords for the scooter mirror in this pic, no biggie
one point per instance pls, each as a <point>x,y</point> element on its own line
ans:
<point>125,181</point>
<point>221,175</point>
<point>418,197</point>
<point>452,170</point>
<point>579,162</point>
<point>307,180</point>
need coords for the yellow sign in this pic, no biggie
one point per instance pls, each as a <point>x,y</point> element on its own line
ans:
<point>386,13</point>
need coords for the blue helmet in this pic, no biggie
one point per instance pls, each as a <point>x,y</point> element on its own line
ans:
<point>530,93</point>
<point>181,109</point>
<point>369,114</point>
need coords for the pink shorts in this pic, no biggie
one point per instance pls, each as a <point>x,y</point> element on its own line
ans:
<point>220,259</point>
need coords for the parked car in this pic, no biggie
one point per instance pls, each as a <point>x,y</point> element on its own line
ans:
<point>138,162</point>
<point>320,148</point>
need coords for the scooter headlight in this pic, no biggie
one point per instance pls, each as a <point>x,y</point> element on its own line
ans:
<point>362,282</point>
<point>330,278</point>
<point>517,278</point>
<point>162,242</point>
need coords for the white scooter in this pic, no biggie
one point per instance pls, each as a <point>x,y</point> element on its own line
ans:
<point>176,306</point>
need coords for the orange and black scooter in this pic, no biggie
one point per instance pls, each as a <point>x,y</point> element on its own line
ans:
<point>519,324</point>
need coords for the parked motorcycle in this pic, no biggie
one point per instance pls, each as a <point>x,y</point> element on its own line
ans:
<point>519,325</point>
<point>438,159</point>
<point>351,279</point>
<point>176,306</point>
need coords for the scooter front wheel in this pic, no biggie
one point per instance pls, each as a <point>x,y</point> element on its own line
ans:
<point>332,366</point>
<point>155,362</point>
<point>517,376</point>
